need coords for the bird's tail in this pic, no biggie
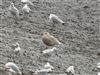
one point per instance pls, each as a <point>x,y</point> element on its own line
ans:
<point>58,42</point>
<point>63,23</point>
<point>20,72</point>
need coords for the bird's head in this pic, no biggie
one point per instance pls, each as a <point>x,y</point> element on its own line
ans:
<point>17,44</point>
<point>6,68</point>
<point>12,4</point>
<point>45,33</point>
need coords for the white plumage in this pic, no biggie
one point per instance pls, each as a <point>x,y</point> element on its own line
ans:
<point>98,65</point>
<point>26,8</point>
<point>55,19</point>
<point>13,10</point>
<point>16,47</point>
<point>70,70</point>
<point>49,50</point>
<point>47,68</point>
<point>12,67</point>
<point>27,1</point>
<point>98,73</point>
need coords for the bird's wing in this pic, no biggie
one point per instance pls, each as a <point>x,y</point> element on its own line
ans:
<point>15,68</point>
<point>55,39</point>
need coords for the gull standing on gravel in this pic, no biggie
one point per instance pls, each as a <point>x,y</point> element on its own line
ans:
<point>49,50</point>
<point>13,10</point>
<point>70,70</point>
<point>55,19</point>
<point>98,67</point>
<point>26,9</point>
<point>27,1</point>
<point>12,68</point>
<point>49,40</point>
<point>47,68</point>
<point>16,47</point>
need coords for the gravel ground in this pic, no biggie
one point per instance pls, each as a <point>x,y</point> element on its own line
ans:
<point>80,35</point>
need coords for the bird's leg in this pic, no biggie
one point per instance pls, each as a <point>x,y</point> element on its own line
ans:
<point>46,47</point>
<point>25,15</point>
<point>54,24</point>
<point>12,73</point>
<point>15,19</point>
<point>9,73</point>
<point>53,27</point>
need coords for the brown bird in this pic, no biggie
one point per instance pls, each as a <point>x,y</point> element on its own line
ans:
<point>49,40</point>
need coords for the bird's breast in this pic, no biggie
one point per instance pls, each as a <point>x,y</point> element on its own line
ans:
<point>48,41</point>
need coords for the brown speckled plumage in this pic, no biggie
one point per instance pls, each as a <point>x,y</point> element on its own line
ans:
<point>49,40</point>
